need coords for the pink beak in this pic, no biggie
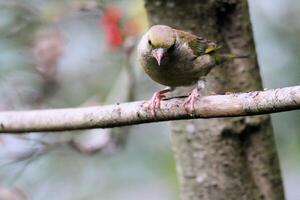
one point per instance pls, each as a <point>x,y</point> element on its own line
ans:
<point>158,54</point>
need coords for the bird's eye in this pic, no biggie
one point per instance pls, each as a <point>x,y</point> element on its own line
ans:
<point>171,48</point>
<point>149,42</point>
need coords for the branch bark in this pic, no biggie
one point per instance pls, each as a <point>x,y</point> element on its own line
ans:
<point>232,105</point>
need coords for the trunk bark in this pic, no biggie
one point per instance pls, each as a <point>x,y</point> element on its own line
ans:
<point>222,159</point>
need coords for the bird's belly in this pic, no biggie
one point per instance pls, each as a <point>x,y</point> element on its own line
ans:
<point>173,74</point>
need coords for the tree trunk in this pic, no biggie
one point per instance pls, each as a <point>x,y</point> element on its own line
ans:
<point>232,158</point>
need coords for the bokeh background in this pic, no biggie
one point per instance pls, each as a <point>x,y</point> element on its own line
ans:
<point>65,53</point>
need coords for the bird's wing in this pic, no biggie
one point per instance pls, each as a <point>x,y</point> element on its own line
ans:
<point>199,45</point>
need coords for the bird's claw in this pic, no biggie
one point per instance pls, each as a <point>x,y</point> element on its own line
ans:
<point>190,101</point>
<point>154,102</point>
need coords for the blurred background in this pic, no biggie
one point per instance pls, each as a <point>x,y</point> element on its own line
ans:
<point>65,53</point>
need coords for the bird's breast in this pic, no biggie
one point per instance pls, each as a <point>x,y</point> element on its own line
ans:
<point>171,72</point>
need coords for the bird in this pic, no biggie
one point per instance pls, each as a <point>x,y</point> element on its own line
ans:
<point>174,58</point>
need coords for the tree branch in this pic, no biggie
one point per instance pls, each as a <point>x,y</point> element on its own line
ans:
<point>121,114</point>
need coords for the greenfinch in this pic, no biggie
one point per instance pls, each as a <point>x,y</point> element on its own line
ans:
<point>176,58</point>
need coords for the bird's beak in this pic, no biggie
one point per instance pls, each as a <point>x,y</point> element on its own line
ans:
<point>158,54</point>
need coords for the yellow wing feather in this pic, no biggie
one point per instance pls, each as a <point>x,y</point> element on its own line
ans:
<point>199,45</point>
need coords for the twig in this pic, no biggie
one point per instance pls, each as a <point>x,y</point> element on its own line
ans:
<point>121,114</point>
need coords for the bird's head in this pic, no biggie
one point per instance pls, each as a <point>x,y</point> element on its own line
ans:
<point>161,40</point>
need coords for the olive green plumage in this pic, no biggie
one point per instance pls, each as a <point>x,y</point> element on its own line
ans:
<point>177,58</point>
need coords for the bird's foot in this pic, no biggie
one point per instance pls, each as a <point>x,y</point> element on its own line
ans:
<point>154,102</point>
<point>190,101</point>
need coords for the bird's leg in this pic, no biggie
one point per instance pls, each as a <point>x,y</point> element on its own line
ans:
<point>156,98</point>
<point>194,95</point>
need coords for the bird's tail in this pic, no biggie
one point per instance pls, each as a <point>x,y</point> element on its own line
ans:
<point>220,58</point>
